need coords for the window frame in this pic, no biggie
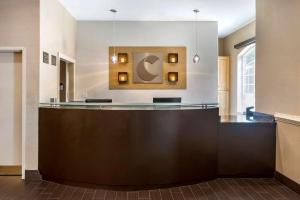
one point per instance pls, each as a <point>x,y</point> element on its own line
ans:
<point>240,85</point>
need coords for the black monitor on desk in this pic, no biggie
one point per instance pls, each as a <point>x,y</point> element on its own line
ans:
<point>98,101</point>
<point>167,100</point>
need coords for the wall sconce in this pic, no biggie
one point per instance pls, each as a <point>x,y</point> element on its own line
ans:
<point>173,58</point>
<point>173,77</point>
<point>123,58</point>
<point>122,77</point>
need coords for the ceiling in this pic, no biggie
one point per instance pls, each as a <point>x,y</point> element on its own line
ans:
<point>230,14</point>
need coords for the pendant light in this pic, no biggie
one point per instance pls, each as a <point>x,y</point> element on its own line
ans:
<point>114,57</point>
<point>196,58</point>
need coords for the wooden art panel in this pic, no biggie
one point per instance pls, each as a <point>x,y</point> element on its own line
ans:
<point>142,65</point>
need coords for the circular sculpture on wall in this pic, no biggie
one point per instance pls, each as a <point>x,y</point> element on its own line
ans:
<point>148,68</point>
<point>144,67</point>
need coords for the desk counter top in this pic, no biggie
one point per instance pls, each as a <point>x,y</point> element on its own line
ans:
<point>257,118</point>
<point>130,106</point>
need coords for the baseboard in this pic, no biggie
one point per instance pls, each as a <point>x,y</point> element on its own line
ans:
<point>13,170</point>
<point>32,175</point>
<point>288,182</point>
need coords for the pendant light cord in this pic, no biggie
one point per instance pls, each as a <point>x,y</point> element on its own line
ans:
<point>114,32</point>
<point>196,29</point>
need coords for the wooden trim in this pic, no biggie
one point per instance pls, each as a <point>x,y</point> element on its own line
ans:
<point>224,84</point>
<point>288,182</point>
<point>12,170</point>
<point>223,57</point>
<point>290,119</point>
<point>11,49</point>
<point>24,108</point>
<point>66,58</point>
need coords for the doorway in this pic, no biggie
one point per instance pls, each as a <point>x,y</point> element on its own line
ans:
<point>11,66</point>
<point>66,79</point>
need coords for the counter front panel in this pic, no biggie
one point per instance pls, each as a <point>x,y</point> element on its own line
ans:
<point>130,147</point>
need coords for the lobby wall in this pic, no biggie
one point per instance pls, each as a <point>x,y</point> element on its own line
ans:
<point>94,38</point>
<point>227,44</point>
<point>278,76</point>
<point>19,27</point>
<point>57,34</point>
<point>221,46</point>
<point>278,60</point>
<point>37,25</point>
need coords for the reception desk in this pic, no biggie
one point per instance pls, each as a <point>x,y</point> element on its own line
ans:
<point>151,145</point>
<point>129,145</point>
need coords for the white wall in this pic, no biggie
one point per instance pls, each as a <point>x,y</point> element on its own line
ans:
<point>19,27</point>
<point>94,38</point>
<point>57,34</point>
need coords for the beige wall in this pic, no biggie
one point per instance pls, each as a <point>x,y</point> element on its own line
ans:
<point>19,26</point>
<point>221,46</point>
<point>228,43</point>
<point>278,75</point>
<point>278,58</point>
<point>58,34</point>
<point>288,150</point>
<point>94,38</point>
<point>10,108</point>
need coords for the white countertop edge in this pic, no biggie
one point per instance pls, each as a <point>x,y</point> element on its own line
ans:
<point>286,118</point>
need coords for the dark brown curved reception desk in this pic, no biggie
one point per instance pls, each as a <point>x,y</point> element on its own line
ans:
<point>151,145</point>
<point>132,147</point>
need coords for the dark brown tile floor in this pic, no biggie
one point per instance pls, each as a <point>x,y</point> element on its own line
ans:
<point>12,188</point>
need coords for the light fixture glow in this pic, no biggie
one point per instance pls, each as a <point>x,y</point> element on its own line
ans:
<point>122,58</point>
<point>173,77</point>
<point>122,77</point>
<point>196,58</point>
<point>114,59</point>
<point>173,58</point>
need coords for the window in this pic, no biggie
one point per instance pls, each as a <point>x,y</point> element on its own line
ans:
<point>246,79</point>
